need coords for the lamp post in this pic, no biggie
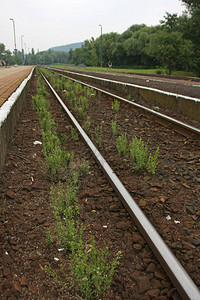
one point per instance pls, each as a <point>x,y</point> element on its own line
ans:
<point>15,50</point>
<point>22,42</point>
<point>101,43</point>
<point>25,53</point>
<point>22,49</point>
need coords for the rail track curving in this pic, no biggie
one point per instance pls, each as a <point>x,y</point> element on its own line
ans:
<point>179,277</point>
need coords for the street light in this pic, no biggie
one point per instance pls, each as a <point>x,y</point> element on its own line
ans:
<point>25,53</point>
<point>15,50</point>
<point>22,48</point>
<point>22,42</point>
<point>101,43</point>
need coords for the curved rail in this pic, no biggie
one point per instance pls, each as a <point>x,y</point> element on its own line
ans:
<point>181,280</point>
<point>178,126</point>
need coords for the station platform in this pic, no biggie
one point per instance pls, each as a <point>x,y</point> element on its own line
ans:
<point>10,79</point>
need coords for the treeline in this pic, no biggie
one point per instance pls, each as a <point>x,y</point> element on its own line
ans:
<point>174,44</point>
<point>32,58</point>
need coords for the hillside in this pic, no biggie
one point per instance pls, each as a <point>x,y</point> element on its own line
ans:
<point>66,48</point>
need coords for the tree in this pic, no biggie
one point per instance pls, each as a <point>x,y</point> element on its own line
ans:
<point>2,48</point>
<point>170,49</point>
<point>135,45</point>
<point>170,22</point>
<point>192,4</point>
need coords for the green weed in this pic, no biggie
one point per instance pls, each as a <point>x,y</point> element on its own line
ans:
<point>115,105</point>
<point>152,162</point>
<point>114,126</point>
<point>138,154</point>
<point>97,138</point>
<point>74,133</point>
<point>122,144</point>
<point>85,168</point>
<point>86,125</point>
<point>92,270</point>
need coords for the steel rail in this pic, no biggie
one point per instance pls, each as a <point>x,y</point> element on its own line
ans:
<point>179,277</point>
<point>178,126</point>
<point>131,84</point>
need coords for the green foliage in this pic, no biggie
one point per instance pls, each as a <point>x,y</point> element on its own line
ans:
<point>80,112</point>
<point>62,137</point>
<point>115,105</point>
<point>97,138</point>
<point>84,103</point>
<point>140,159</point>
<point>74,133</point>
<point>67,196</point>
<point>92,270</point>
<point>85,168</point>
<point>122,144</point>
<point>86,125</point>
<point>152,162</point>
<point>138,154</point>
<point>49,237</point>
<point>170,49</point>
<point>114,126</point>
<point>57,159</point>
<point>64,202</point>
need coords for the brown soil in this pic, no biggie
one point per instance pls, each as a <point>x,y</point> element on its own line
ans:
<point>26,211</point>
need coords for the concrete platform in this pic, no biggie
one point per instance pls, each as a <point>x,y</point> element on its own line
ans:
<point>13,87</point>
<point>10,79</point>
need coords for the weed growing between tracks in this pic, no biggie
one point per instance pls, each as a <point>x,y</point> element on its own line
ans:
<point>115,105</point>
<point>57,159</point>
<point>91,269</point>
<point>114,126</point>
<point>139,157</point>
<point>137,151</point>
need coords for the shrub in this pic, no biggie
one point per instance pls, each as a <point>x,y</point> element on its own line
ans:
<point>138,154</point>
<point>122,144</point>
<point>92,270</point>
<point>115,105</point>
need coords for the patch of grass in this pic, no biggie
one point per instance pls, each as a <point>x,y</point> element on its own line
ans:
<point>138,154</point>
<point>122,144</point>
<point>114,126</point>
<point>152,162</point>
<point>115,105</point>
<point>74,133</point>
<point>92,270</point>
<point>140,159</point>
<point>85,168</point>
<point>86,125</point>
<point>97,137</point>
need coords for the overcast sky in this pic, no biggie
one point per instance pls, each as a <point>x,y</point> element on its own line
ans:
<point>48,23</point>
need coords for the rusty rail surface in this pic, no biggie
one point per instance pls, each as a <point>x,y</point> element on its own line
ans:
<point>178,276</point>
<point>173,124</point>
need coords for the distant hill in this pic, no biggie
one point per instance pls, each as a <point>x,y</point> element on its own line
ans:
<point>66,48</point>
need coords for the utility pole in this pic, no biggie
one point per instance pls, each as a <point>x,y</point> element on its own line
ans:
<point>15,50</point>
<point>101,43</point>
<point>22,49</point>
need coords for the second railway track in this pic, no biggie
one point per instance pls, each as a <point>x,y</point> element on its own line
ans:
<point>127,118</point>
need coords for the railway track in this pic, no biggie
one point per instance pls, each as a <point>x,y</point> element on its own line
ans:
<point>172,123</point>
<point>165,97</point>
<point>185,286</point>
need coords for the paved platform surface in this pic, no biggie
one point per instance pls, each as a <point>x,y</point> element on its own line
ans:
<point>10,79</point>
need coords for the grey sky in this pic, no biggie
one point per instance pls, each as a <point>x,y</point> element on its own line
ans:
<point>48,23</point>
